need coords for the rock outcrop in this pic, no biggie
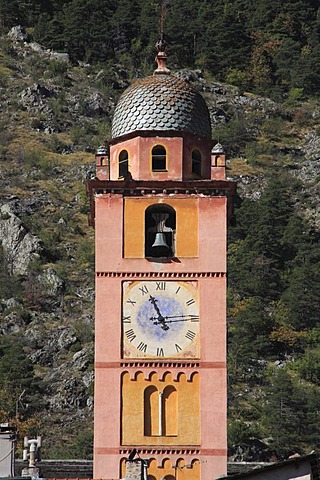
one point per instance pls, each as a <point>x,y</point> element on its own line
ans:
<point>19,245</point>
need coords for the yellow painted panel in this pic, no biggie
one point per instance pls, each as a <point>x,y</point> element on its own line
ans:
<point>186,225</point>
<point>180,471</point>
<point>167,471</point>
<point>178,423</point>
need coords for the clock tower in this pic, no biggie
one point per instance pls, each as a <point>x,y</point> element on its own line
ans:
<point>160,203</point>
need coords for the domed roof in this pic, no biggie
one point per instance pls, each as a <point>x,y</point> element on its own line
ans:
<point>161,102</point>
<point>218,148</point>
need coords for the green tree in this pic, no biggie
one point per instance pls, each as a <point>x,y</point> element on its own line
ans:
<point>309,366</point>
<point>249,328</point>
<point>50,31</point>
<point>17,380</point>
<point>14,13</point>
<point>263,246</point>
<point>302,295</point>
<point>290,414</point>
<point>87,29</point>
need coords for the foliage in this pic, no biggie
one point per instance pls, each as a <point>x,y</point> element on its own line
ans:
<point>267,45</point>
<point>274,315</point>
<point>19,387</point>
<point>235,134</point>
<point>83,331</point>
<point>309,366</point>
<point>81,446</point>
<point>9,284</point>
<point>290,414</point>
<point>239,432</point>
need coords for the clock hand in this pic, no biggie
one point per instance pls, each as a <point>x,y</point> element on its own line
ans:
<point>191,319</point>
<point>154,303</point>
<point>160,320</point>
<point>183,317</point>
<point>182,320</point>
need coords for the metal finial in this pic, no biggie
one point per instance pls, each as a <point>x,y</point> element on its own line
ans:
<point>161,45</point>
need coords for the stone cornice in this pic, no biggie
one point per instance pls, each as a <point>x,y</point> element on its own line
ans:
<point>135,188</point>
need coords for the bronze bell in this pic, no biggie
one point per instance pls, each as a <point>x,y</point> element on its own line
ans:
<point>160,241</point>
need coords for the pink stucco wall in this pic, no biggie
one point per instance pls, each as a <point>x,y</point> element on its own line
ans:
<point>109,239</point>
<point>209,269</point>
<point>178,151</point>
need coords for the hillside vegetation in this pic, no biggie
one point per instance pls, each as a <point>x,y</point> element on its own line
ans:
<point>55,109</point>
<point>269,46</point>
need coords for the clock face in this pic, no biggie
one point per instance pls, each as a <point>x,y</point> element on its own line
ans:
<point>160,319</point>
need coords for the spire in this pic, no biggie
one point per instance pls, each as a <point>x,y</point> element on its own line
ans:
<point>161,45</point>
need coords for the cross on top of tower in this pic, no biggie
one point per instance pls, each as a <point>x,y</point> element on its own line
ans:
<point>161,45</point>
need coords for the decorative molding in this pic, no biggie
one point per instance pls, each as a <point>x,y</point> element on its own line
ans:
<point>175,450</point>
<point>220,193</point>
<point>156,364</point>
<point>160,364</point>
<point>163,451</point>
<point>184,275</point>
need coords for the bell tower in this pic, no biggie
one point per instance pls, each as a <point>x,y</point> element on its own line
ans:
<point>160,203</point>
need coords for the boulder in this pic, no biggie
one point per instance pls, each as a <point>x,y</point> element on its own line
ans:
<point>62,57</point>
<point>94,105</point>
<point>35,95</point>
<point>52,283</point>
<point>18,34</point>
<point>19,245</point>
<point>311,146</point>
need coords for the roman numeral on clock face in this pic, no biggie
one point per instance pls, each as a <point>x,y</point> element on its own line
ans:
<point>160,352</point>
<point>142,347</point>
<point>190,335</point>
<point>132,302</point>
<point>130,335</point>
<point>160,285</point>
<point>178,348</point>
<point>190,302</point>
<point>126,319</point>
<point>144,289</point>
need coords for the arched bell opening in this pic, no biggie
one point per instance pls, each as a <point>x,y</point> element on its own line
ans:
<point>160,227</point>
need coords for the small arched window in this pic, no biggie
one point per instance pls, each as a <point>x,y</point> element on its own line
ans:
<point>123,164</point>
<point>196,162</point>
<point>159,159</point>
<point>160,411</point>
<point>151,411</point>
<point>160,227</point>
<point>170,411</point>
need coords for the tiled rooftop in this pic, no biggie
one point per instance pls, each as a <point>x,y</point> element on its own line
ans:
<point>161,102</point>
